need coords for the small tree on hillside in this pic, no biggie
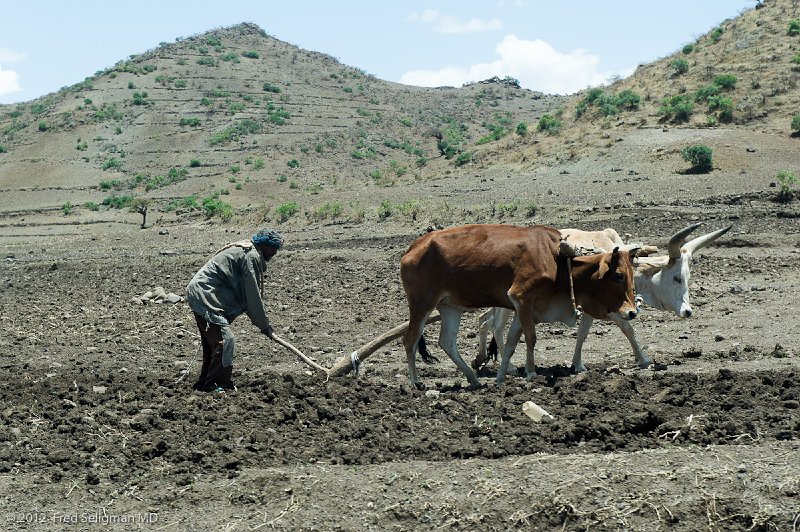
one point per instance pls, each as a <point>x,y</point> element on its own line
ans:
<point>700,157</point>
<point>140,205</point>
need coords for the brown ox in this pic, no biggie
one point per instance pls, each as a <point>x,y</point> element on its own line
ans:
<point>519,268</point>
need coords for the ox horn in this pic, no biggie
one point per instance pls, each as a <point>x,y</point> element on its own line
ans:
<point>677,239</point>
<point>702,241</point>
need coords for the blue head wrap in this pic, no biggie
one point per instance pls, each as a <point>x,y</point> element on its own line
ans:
<point>269,237</point>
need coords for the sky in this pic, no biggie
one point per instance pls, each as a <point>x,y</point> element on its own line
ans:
<point>552,46</point>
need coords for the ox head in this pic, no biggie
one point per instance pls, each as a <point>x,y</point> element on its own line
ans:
<point>609,289</point>
<point>670,285</point>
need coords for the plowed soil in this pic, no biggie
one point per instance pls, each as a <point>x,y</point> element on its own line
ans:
<point>100,427</point>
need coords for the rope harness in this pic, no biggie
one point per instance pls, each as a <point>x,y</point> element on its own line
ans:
<point>576,311</point>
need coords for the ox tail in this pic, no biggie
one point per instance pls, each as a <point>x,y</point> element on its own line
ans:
<point>426,355</point>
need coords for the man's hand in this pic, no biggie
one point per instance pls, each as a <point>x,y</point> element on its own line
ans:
<point>268,331</point>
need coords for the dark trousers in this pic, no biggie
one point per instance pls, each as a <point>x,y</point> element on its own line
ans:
<point>212,374</point>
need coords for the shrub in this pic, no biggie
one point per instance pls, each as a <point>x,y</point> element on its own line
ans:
<point>118,202</point>
<point>43,126</point>
<point>723,105</point>
<point>92,206</point>
<point>687,49</point>
<point>194,163</point>
<point>700,158</point>
<point>796,123</point>
<point>726,81</point>
<point>231,56</point>
<point>786,180</point>
<point>269,87</point>
<point>678,107</point>
<point>681,66</point>
<point>716,35</point>
<point>207,61</point>
<point>278,116</point>
<point>292,163</point>
<point>463,158</point>
<point>286,211</point>
<point>549,125</point>
<point>384,210</point>
<point>236,131</point>
<point>188,203</point>
<point>180,83</point>
<point>112,163</point>
<point>192,122</point>
<point>251,54</point>
<point>794,27</point>
<point>522,129</point>
<point>258,164</point>
<point>329,210</point>
<point>213,206</point>
<point>704,93</point>
<point>3,149</point>
<point>67,208</point>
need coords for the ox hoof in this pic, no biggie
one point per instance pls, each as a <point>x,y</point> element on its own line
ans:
<point>476,386</point>
<point>644,364</point>
<point>419,386</point>
<point>578,369</point>
<point>530,375</point>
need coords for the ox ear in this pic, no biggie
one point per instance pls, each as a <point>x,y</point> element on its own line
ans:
<point>605,263</point>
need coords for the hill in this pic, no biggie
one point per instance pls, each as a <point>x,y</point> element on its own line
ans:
<point>239,115</point>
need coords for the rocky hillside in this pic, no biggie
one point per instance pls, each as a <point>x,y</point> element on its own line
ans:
<point>238,118</point>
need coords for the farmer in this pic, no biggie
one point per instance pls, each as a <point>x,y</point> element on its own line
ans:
<point>231,283</point>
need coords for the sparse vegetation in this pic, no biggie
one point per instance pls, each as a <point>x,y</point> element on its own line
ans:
<point>678,108</point>
<point>328,210</point>
<point>286,211</point>
<point>214,207</point>
<point>796,124</point>
<point>112,164</point>
<point>607,103</point>
<point>680,66</point>
<point>725,81</point>
<point>236,131</point>
<point>118,202</point>
<point>549,124</point>
<point>700,158</point>
<point>269,87</point>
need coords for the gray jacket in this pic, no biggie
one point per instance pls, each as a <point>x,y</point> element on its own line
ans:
<point>229,285</point>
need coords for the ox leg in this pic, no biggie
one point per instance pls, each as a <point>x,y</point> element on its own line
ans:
<point>484,321</point>
<point>641,358</point>
<point>451,320</point>
<point>583,331</point>
<point>501,316</point>
<point>514,334</point>
<point>410,340</point>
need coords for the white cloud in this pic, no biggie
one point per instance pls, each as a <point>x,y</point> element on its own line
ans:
<point>10,56</point>
<point>536,64</point>
<point>454,25</point>
<point>8,82</point>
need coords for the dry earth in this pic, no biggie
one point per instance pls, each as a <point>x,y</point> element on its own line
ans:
<point>100,429</point>
<point>99,423</point>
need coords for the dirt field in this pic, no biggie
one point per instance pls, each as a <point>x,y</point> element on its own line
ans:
<point>100,426</point>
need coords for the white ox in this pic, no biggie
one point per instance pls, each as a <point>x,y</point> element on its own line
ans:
<point>661,282</point>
